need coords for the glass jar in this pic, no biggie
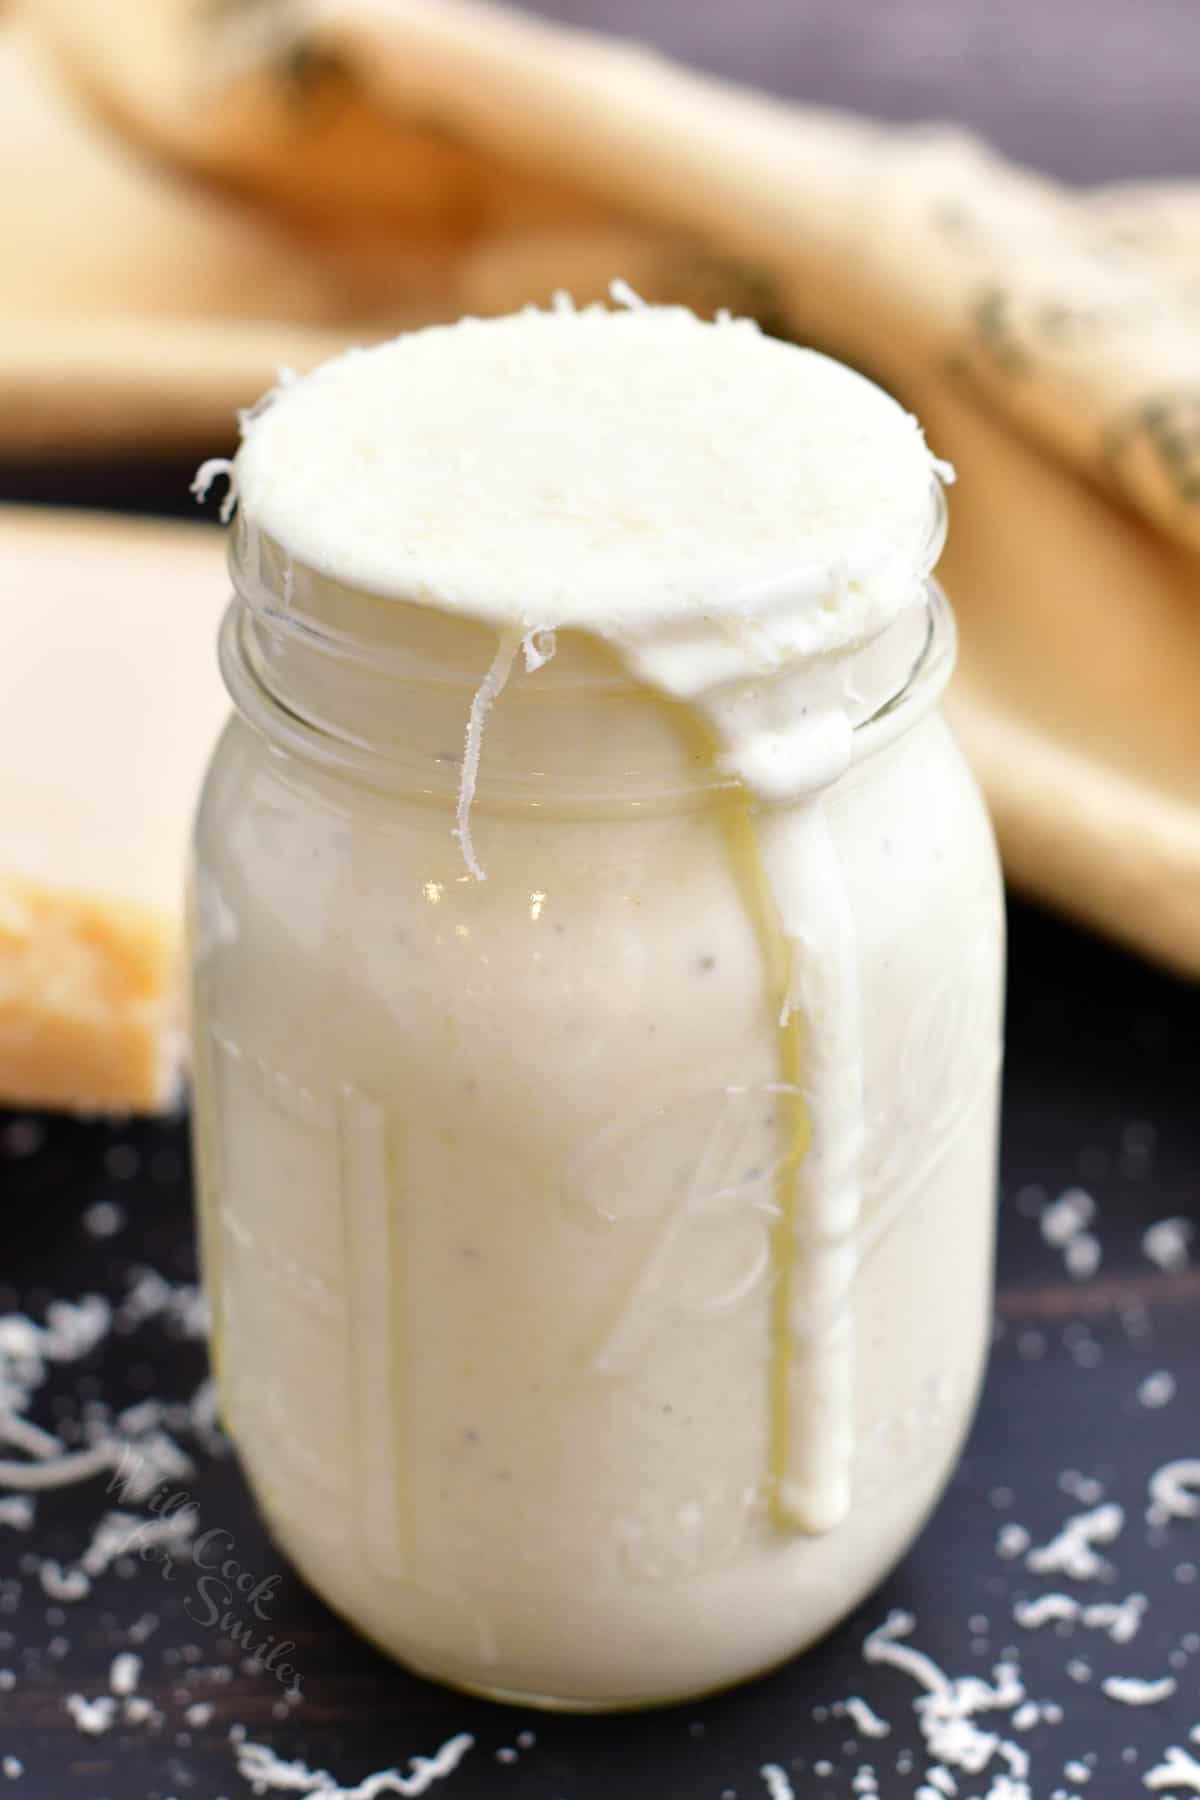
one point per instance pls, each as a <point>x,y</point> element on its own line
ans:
<point>491,1171</point>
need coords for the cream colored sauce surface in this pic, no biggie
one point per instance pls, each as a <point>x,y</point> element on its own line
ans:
<point>737,520</point>
<point>637,470</point>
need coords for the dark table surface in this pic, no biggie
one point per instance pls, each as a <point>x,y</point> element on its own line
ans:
<point>1094,1381</point>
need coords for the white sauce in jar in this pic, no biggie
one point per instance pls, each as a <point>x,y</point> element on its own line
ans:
<point>737,520</point>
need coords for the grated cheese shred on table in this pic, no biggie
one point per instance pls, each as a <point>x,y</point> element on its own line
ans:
<point>1131,1690</point>
<point>1072,1552</point>
<point>1172,1494</point>
<point>1178,1769</point>
<point>866,1722</point>
<point>266,1773</point>
<point>778,1785</point>
<point>1167,1244</point>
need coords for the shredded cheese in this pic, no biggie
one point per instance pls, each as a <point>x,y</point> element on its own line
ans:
<point>866,1722</point>
<point>213,470</point>
<point>1131,1690</point>
<point>1072,1552</point>
<point>265,1772</point>
<point>947,1709</point>
<point>1171,1492</point>
<point>1178,1769</point>
<point>777,1783</point>
<point>92,1717</point>
<point>485,696</point>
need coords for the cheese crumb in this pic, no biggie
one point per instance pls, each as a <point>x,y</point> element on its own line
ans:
<point>1178,1769</point>
<point>866,1722</point>
<point>1072,1552</point>
<point>1167,1244</point>
<point>104,1219</point>
<point>1084,1488</point>
<point>63,1584</point>
<point>92,1717</point>
<point>259,1765</point>
<point>1171,1495</point>
<point>1012,1540</point>
<point>1064,1218</point>
<point>125,1673</point>
<point>1045,1610</point>
<point>1157,1390</point>
<point>1131,1690</point>
<point>1082,1256</point>
<point>1121,1619</point>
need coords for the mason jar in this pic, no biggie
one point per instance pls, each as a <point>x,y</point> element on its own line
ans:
<point>491,1172</point>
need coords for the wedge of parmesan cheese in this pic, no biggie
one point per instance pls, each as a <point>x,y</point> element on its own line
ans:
<point>110,701</point>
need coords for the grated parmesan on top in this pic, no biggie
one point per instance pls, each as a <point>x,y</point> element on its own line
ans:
<point>716,505</point>
<point>610,462</point>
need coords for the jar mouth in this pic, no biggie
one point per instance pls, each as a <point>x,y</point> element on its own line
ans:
<point>922,666</point>
<point>379,690</point>
<point>928,674</point>
<point>357,627</point>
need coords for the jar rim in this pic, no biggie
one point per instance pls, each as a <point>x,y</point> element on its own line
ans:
<point>387,768</point>
<point>283,591</point>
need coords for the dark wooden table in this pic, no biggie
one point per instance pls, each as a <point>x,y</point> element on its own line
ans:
<point>1100,1092</point>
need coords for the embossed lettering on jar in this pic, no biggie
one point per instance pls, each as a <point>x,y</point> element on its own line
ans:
<point>599,1251</point>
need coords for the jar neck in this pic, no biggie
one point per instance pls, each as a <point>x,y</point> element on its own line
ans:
<point>380,691</point>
